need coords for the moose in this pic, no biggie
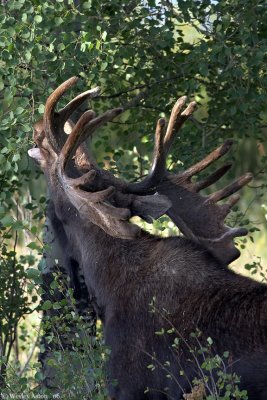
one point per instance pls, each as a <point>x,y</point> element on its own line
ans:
<point>185,279</point>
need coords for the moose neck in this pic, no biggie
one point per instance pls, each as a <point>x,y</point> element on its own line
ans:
<point>107,262</point>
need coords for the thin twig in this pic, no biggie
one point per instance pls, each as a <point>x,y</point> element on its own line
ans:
<point>30,355</point>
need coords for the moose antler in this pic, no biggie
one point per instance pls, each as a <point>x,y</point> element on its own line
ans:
<point>109,202</point>
<point>198,217</point>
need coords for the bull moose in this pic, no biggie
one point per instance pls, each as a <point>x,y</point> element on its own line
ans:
<point>125,268</point>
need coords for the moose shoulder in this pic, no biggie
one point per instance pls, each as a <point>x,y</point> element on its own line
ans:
<point>125,268</point>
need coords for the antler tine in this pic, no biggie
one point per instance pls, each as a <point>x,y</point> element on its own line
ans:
<point>208,160</point>
<point>99,121</point>
<point>159,156</point>
<point>177,119</point>
<point>75,138</point>
<point>226,208</point>
<point>88,130</point>
<point>158,168</point>
<point>212,178</point>
<point>176,110</point>
<point>230,189</point>
<point>49,114</point>
<point>85,126</point>
<point>69,109</point>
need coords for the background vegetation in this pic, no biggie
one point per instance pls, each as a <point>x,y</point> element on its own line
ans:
<point>152,51</point>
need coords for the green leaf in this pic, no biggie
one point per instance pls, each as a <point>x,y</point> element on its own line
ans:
<point>58,21</point>
<point>41,108</point>
<point>54,285</point>
<point>87,5</point>
<point>209,340</point>
<point>103,66</point>
<point>28,55</point>
<point>19,110</point>
<point>24,18</point>
<point>33,246</point>
<point>32,273</point>
<point>16,157</point>
<point>56,306</point>
<point>7,221</point>
<point>61,47</point>
<point>104,35</point>
<point>47,305</point>
<point>38,19</point>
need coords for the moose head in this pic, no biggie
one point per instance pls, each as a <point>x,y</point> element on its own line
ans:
<point>125,267</point>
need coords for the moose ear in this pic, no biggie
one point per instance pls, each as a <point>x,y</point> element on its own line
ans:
<point>150,207</point>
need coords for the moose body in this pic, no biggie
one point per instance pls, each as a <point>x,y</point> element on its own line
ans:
<point>195,289</point>
<point>140,283</point>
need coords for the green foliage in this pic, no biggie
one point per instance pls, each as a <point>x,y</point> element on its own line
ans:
<point>213,51</point>
<point>75,361</point>
<point>217,379</point>
<point>214,378</point>
<point>256,267</point>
